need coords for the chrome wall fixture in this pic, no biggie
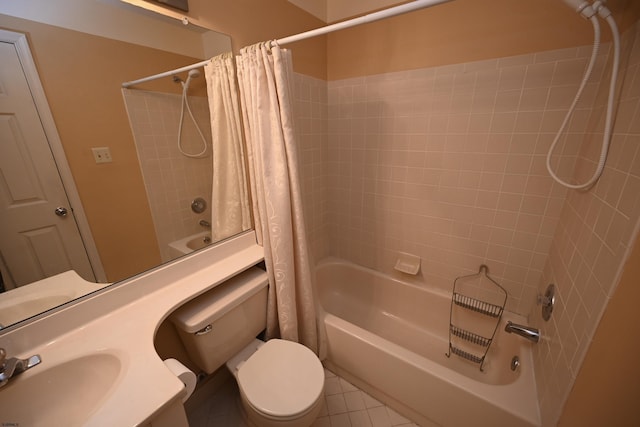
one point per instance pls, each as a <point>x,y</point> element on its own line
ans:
<point>547,301</point>
<point>527,332</point>
<point>198,205</point>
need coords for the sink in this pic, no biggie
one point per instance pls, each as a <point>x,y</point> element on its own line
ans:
<point>42,295</point>
<point>64,394</point>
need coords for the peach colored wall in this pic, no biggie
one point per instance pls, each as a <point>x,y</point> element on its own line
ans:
<point>317,8</point>
<point>607,388</point>
<point>81,75</point>
<point>70,64</point>
<point>457,32</point>
<point>338,10</point>
<point>253,21</point>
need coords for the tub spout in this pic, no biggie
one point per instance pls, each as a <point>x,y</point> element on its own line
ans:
<point>532,334</point>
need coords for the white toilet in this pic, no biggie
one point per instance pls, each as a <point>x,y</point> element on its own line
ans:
<point>281,382</point>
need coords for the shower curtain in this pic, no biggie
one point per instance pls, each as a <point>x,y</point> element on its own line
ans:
<point>230,209</point>
<point>264,75</point>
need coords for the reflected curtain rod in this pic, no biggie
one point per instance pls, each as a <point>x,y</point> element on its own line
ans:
<point>371,17</point>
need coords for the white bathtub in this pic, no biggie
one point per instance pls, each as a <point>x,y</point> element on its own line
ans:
<point>390,338</point>
<point>189,244</point>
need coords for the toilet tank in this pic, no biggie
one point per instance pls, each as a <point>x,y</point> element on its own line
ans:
<point>219,323</point>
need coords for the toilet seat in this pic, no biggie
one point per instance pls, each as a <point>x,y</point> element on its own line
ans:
<point>282,379</point>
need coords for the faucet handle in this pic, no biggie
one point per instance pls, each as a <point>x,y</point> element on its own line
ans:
<point>547,301</point>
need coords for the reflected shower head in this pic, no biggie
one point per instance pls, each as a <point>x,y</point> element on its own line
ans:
<point>192,75</point>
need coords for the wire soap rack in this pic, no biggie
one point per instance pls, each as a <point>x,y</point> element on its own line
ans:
<point>477,303</point>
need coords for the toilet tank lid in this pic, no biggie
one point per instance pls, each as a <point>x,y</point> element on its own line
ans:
<point>215,303</point>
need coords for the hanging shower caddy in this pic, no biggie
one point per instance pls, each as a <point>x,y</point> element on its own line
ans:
<point>477,305</point>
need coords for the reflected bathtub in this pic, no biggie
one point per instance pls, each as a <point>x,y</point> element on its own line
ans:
<point>189,244</point>
<point>390,338</point>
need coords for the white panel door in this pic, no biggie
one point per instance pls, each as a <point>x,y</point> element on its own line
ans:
<point>37,239</point>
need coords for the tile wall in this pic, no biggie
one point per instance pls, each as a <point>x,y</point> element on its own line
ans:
<point>449,163</point>
<point>310,112</point>
<point>171,179</point>
<point>594,233</point>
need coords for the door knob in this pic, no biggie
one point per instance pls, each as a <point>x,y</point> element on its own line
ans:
<point>61,211</point>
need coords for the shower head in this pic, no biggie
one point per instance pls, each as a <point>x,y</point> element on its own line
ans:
<point>192,75</point>
<point>581,6</point>
<point>576,5</point>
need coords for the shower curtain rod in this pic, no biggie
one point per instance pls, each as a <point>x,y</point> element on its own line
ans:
<point>371,17</point>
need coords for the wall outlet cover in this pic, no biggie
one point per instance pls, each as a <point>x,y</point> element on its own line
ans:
<point>102,154</point>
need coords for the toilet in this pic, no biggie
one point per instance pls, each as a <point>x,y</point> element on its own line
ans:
<point>281,382</point>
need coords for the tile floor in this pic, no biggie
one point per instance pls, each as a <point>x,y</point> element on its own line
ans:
<point>345,406</point>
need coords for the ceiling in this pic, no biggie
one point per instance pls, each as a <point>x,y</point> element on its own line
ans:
<point>338,10</point>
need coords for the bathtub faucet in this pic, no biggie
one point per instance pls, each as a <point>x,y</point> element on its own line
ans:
<point>532,334</point>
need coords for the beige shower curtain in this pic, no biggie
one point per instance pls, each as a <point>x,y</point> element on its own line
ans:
<point>264,75</point>
<point>230,210</point>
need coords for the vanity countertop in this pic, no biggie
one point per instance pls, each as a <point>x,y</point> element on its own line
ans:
<point>122,322</point>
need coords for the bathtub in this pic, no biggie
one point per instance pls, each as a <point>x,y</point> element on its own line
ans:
<point>391,337</point>
<point>189,244</point>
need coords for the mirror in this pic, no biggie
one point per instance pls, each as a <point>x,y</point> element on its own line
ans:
<point>83,51</point>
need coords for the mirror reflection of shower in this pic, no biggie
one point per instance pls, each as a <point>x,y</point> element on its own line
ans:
<point>185,102</point>
<point>171,179</point>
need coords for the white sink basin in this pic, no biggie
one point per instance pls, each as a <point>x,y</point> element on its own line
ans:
<point>99,363</point>
<point>61,395</point>
<point>28,300</point>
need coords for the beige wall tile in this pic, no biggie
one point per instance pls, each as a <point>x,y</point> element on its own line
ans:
<point>171,180</point>
<point>449,163</point>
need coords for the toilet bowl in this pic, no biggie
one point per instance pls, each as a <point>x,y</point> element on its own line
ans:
<point>281,382</point>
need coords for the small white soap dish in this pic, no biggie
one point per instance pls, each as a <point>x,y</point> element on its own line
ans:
<point>407,263</point>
